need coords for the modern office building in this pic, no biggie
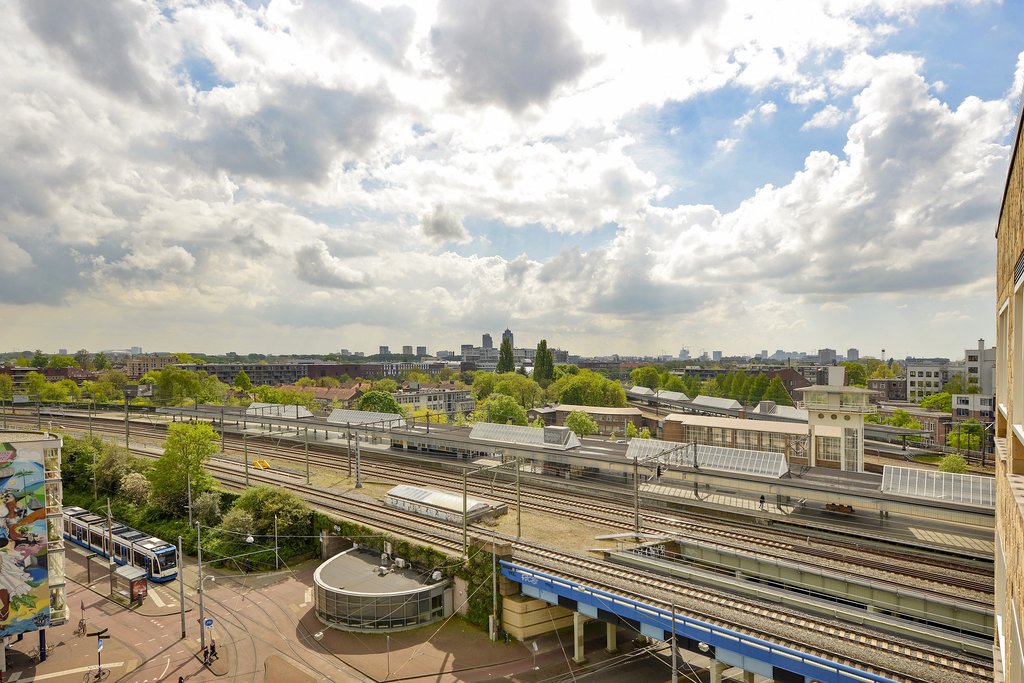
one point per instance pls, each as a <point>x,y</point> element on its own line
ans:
<point>826,356</point>
<point>507,334</point>
<point>486,341</point>
<point>384,350</point>
<point>421,351</point>
<point>1009,425</point>
<point>853,354</point>
<point>926,376</point>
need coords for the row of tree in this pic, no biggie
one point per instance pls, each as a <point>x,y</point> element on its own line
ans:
<point>740,386</point>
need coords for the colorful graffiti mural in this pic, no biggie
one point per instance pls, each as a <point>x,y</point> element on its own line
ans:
<point>24,590</point>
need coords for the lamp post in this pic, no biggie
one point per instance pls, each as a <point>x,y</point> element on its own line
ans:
<point>199,562</point>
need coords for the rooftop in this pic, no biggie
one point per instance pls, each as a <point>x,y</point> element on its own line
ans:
<point>356,571</point>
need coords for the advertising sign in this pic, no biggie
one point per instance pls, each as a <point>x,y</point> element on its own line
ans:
<point>24,589</point>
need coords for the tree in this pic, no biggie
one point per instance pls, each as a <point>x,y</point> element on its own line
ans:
<point>543,364</point>
<point>757,390</point>
<point>264,503</point>
<point>581,423</point>
<point>426,415</point>
<point>881,371</point>
<point>386,384</point>
<point>377,401</point>
<point>646,376</point>
<point>523,389</point>
<point>856,374</point>
<point>645,433</point>
<point>242,382</point>
<point>101,362</point>
<point>968,435</point>
<point>954,463</point>
<point>506,359</point>
<point>777,392</point>
<point>135,488</point>
<point>500,409</point>
<point>61,362</point>
<point>114,464</point>
<point>587,388</point>
<point>6,388</point>
<point>942,402</point>
<point>83,358</point>
<point>901,418</point>
<point>40,359</point>
<point>631,430</point>
<point>186,450</point>
<point>206,508</point>
<point>483,384</point>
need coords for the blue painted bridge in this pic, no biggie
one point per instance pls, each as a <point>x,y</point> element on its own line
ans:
<point>727,648</point>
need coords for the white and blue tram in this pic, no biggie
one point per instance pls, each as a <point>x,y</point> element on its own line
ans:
<point>131,546</point>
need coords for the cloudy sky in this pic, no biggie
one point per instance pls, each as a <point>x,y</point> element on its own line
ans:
<point>626,176</point>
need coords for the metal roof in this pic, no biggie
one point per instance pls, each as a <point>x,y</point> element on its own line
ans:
<point>362,417</point>
<point>277,410</point>
<point>712,457</point>
<point>452,502</point>
<point>961,488</point>
<point>558,438</point>
<point>772,426</point>
<point>713,402</point>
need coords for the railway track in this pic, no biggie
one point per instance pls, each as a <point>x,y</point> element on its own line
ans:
<point>857,648</point>
<point>939,579</point>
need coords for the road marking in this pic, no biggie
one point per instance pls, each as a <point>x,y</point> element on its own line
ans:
<point>57,674</point>
<point>157,599</point>
<point>308,597</point>
<point>166,667</point>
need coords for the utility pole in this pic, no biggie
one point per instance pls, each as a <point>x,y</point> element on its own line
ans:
<point>359,479</point>
<point>110,544</point>
<point>127,429</point>
<point>306,431</point>
<point>245,457</point>
<point>181,585</point>
<point>199,562</point>
<point>636,496</point>
<point>519,501</point>
<point>675,665</point>
<point>348,446</point>
<point>465,532</point>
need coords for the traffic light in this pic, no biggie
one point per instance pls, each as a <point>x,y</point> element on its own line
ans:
<point>659,472</point>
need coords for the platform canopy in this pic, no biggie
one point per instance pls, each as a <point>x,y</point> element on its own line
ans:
<point>365,417</point>
<point>277,410</point>
<point>558,438</point>
<point>958,488</point>
<point>739,460</point>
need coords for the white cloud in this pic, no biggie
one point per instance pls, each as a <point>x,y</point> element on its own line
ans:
<point>829,117</point>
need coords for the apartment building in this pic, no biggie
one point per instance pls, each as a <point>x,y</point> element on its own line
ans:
<point>980,367</point>
<point>1009,427</point>
<point>437,398</point>
<point>926,376</point>
<point>137,366</point>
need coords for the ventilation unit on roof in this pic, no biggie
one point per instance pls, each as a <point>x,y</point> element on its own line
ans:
<point>400,563</point>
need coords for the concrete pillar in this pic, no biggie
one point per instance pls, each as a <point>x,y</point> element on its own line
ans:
<point>716,669</point>
<point>612,645</point>
<point>748,677</point>
<point>578,655</point>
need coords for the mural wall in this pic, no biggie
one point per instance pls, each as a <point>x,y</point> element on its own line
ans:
<point>24,590</point>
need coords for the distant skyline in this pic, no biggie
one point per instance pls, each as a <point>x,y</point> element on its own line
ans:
<point>616,176</point>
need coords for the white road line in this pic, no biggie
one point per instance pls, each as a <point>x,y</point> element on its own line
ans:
<point>166,667</point>
<point>56,674</point>
<point>157,599</point>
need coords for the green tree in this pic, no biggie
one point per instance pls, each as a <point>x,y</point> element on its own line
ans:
<point>35,384</point>
<point>901,418</point>
<point>777,392</point>
<point>967,435</point>
<point>135,488</point>
<point>646,376</point>
<point>242,382</point>
<point>6,387</point>
<point>377,401</point>
<point>40,359</point>
<point>186,450</point>
<point>483,384</point>
<point>581,423</point>
<point>881,371</point>
<point>631,430</point>
<point>587,388</point>
<point>264,504</point>
<point>856,374</point>
<point>56,361</point>
<point>101,362</point>
<point>670,382</point>
<point>955,385</point>
<point>506,359</point>
<point>523,389</point>
<point>954,463</point>
<point>500,409</point>
<point>386,384</point>
<point>83,358</point>
<point>543,364</point>
<point>206,508</point>
<point>758,388</point>
<point>114,464</point>
<point>942,402</point>
<point>645,433</point>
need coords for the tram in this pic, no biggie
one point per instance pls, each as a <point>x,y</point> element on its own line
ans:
<point>131,546</point>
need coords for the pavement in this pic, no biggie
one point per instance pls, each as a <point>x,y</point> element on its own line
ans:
<point>266,630</point>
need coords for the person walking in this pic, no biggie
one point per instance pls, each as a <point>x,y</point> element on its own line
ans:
<point>213,650</point>
<point>760,503</point>
<point>206,656</point>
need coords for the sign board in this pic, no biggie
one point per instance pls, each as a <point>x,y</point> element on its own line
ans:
<point>208,623</point>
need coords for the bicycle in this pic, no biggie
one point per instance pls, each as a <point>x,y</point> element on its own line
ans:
<point>98,675</point>
<point>81,629</point>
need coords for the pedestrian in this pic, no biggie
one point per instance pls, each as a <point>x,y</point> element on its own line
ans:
<point>206,656</point>
<point>761,503</point>
<point>213,650</point>
<point>181,679</point>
